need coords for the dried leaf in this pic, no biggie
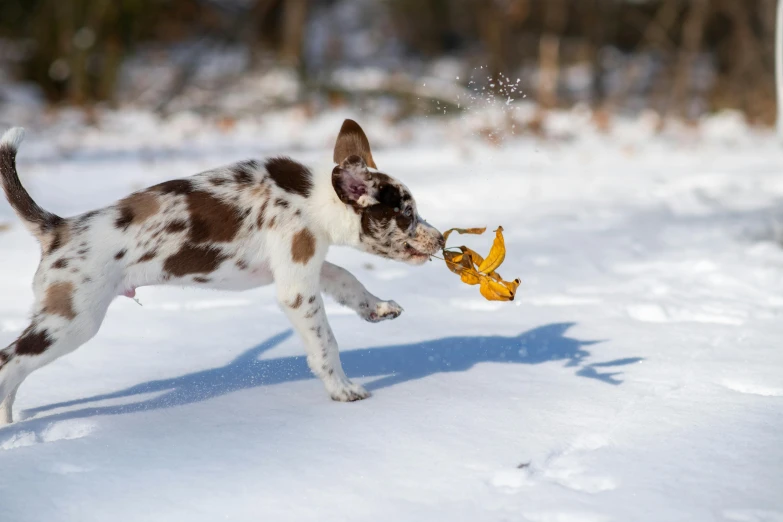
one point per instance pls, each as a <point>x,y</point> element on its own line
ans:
<point>474,256</point>
<point>454,261</point>
<point>463,265</point>
<point>469,276</point>
<point>501,290</point>
<point>497,254</point>
<point>473,269</point>
<point>476,231</point>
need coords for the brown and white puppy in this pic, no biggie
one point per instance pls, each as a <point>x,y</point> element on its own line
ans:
<point>238,227</point>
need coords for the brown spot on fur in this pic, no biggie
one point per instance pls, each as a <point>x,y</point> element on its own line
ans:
<point>377,218</point>
<point>88,216</point>
<point>125,218</point>
<point>62,234</point>
<point>175,186</point>
<point>176,226</point>
<point>33,343</point>
<point>290,176</point>
<point>261,215</point>
<point>200,279</point>
<point>241,264</point>
<point>60,263</point>
<point>136,209</point>
<point>119,255</point>
<point>59,300</point>
<point>280,202</point>
<point>261,190</point>
<point>243,171</point>
<point>212,219</point>
<point>297,302</point>
<point>303,246</point>
<point>312,313</point>
<point>194,259</point>
<point>311,300</point>
<point>149,256</point>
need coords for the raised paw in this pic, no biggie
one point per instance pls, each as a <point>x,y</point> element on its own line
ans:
<point>383,310</point>
<point>347,391</point>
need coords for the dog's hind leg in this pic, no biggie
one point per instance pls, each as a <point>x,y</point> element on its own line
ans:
<point>64,319</point>
<point>5,407</point>
<point>339,284</point>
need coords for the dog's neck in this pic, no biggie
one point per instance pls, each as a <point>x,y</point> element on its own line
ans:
<point>333,218</point>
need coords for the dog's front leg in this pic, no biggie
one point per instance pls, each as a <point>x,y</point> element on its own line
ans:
<point>343,287</point>
<point>298,291</point>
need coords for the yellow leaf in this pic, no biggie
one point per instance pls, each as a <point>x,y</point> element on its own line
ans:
<point>473,269</point>
<point>476,231</point>
<point>497,254</point>
<point>470,276</point>
<point>475,257</point>
<point>498,290</point>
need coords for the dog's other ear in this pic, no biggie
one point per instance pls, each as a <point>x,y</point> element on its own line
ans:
<point>353,183</point>
<point>352,141</point>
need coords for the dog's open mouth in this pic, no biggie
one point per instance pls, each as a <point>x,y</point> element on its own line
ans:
<point>416,254</point>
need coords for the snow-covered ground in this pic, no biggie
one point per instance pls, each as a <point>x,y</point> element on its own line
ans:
<point>637,377</point>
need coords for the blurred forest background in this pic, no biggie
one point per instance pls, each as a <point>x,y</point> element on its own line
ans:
<point>681,58</point>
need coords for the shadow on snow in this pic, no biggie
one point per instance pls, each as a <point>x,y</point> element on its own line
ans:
<point>391,364</point>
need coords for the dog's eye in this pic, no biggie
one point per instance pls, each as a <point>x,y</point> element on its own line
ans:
<point>408,212</point>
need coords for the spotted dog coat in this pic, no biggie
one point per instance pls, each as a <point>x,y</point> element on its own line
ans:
<point>239,227</point>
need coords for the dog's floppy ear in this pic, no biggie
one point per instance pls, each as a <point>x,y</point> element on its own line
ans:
<point>352,141</point>
<point>353,183</point>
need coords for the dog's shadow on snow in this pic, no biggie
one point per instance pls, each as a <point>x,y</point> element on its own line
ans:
<point>391,365</point>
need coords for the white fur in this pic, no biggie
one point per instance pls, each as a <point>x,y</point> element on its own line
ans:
<point>13,137</point>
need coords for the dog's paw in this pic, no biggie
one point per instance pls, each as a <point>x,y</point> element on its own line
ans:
<point>347,391</point>
<point>383,311</point>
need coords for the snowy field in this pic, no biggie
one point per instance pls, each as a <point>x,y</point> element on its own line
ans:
<point>637,377</point>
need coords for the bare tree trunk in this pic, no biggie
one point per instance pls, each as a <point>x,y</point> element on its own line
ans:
<point>548,69</point>
<point>751,81</point>
<point>657,32</point>
<point>692,35</point>
<point>294,22</point>
<point>549,53</point>
<point>258,12</point>
<point>492,28</point>
<point>66,12</point>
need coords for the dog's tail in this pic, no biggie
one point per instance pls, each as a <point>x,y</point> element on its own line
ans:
<point>36,219</point>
